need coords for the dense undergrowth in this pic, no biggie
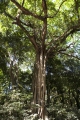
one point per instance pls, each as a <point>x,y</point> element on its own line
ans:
<point>17,105</point>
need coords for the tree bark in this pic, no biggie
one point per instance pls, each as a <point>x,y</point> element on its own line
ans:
<point>13,72</point>
<point>12,76</point>
<point>39,84</point>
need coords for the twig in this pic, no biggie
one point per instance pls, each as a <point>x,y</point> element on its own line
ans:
<point>7,14</point>
<point>70,55</point>
<point>57,10</point>
<point>63,37</point>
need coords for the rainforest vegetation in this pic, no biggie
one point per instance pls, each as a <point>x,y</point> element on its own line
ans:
<point>39,59</point>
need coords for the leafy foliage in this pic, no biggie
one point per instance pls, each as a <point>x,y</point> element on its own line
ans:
<point>3,5</point>
<point>15,106</point>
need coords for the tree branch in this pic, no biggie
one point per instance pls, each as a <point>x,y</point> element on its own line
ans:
<point>57,10</point>
<point>70,55</point>
<point>44,30</point>
<point>64,49</point>
<point>44,6</point>
<point>27,12</point>
<point>76,2</point>
<point>23,3</point>
<point>7,14</point>
<point>27,24</point>
<point>32,38</point>
<point>63,37</point>
<point>13,18</point>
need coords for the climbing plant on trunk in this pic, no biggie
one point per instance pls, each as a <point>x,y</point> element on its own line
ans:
<point>47,25</point>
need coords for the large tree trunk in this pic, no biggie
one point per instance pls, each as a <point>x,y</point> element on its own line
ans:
<point>39,84</point>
